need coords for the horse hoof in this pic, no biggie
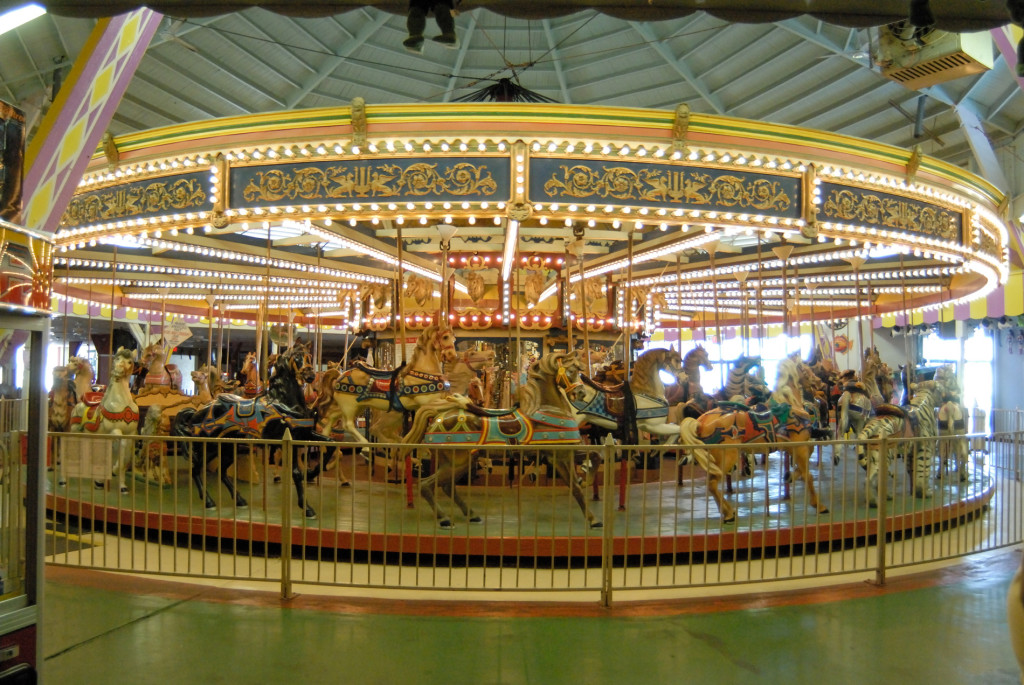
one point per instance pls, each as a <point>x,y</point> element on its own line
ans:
<point>823,510</point>
<point>731,519</point>
<point>476,519</point>
<point>210,505</point>
<point>597,524</point>
<point>277,479</point>
<point>310,514</point>
<point>345,484</point>
<point>62,483</point>
<point>99,485</point>
<point>444,523</point>
<point>241,503</point>
<point>124,489</point>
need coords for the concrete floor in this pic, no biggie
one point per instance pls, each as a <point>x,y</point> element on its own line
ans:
<point>945,626</point>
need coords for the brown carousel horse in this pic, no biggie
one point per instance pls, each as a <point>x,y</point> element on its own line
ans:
<point>250,374</point>
<point>544,417</point>
<point>61,402</point>
<point>689,398</point>
<point>738,427</point>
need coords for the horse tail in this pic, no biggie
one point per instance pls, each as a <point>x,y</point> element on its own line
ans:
<point>843,415</point>
<point>688,438</point>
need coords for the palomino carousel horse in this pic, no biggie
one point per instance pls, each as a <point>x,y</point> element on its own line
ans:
<point>81,370</point>
<point>281,408</point>
<point>544,417</point>
<point>115,413</point>
<point>738,427</point>
<point>916,419</point>
<point>637,405</point>
<point>407,388</point>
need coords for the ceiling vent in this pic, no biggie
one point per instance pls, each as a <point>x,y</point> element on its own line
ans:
<point>919,58</point>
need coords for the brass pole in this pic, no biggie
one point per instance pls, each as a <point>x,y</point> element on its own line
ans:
<point>398,293</point>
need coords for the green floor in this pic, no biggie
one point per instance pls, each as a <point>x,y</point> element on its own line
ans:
<point>946,627</point>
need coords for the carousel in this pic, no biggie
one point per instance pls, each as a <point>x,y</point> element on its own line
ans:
<point>435,298</point>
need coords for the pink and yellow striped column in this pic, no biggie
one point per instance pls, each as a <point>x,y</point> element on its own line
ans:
<point>73,127</point>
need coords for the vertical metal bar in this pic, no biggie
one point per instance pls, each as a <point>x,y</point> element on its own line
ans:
<point>883,480</point>
<point>286,516</point>
<point>608,516</point>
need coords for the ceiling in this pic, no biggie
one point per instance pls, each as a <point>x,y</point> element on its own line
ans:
<point>800,70</point>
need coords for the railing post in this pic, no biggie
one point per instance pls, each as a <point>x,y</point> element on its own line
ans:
<point>883,492</point>
<point>608,520</point>
<point>286,515</point>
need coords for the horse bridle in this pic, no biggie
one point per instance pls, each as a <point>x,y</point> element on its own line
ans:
<point>562,380</point>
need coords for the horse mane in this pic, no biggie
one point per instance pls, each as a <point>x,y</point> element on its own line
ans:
<point>645,370</point>
<point>541,371</point>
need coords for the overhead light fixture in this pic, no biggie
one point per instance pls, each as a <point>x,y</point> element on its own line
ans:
<point>22,15</point>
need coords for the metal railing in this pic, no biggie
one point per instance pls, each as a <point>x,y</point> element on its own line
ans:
<point>523,530</point>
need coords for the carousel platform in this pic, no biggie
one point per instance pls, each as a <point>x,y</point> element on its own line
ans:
<point>533,517</point>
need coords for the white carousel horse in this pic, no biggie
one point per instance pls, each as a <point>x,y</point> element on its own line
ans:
<point>83,373</point>
<point>734,428</point>
<point>916,419</point>
<point>608,407</point>
<point>116,413</point>
<point>543,417</point>
<point>407,388</point>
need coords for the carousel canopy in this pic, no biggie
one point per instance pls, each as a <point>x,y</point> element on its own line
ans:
<point>955,15</point>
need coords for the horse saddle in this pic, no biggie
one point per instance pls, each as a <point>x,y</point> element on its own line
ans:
<point>614,398</point>
<point>957,424</point>
<point>91,399</point>
<point>476,409</point>
<point>372,371</point>
<point>606,388</point>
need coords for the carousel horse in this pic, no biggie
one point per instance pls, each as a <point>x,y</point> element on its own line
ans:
<point>916,419</point>
<point>407,388</point>
<point>639,404</point>
<point>267,417</point>
<point>156,372</point>
<point>739,427</point>
<point>853,409</point>
<point>815,397</point>
<point>81,370</point>
<point>743,382</point>
<point>952,425</point>
<point>115,413</point>
<point>543,417</point>
<point>690,394</point>
<point>61,402</point>
<point>250,375</point>
<point>201,381</point>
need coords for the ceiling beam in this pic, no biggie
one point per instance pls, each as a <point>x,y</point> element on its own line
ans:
<point>557,61</point>
<point>974,130</point>
<point>678,65</point>
<point>331,64</point>
<point>467,36</point>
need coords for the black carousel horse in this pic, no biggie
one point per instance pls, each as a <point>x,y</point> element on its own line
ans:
<point>267,417</point>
